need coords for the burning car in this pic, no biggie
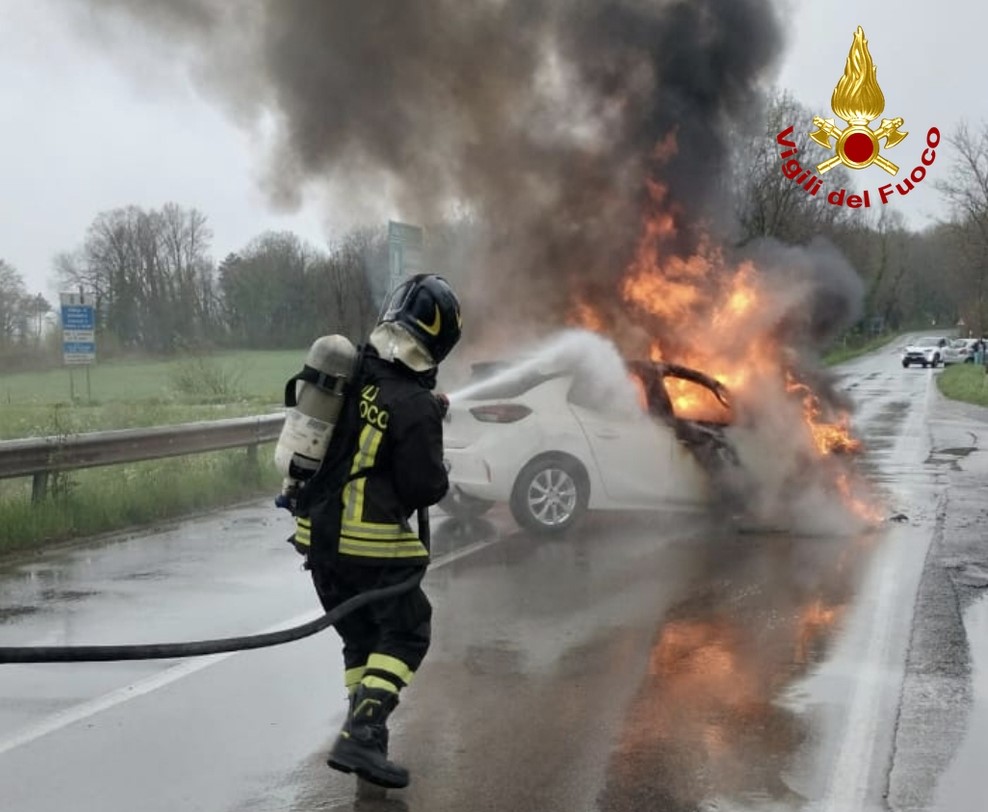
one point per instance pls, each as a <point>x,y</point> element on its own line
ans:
<point>553,443</point>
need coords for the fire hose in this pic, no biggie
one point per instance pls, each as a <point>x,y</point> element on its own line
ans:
<point>198,648</point>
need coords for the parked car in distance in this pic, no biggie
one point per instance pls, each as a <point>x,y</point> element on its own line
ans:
<point>959,351</point>
<point>555,443</point>
<point>926,351</point>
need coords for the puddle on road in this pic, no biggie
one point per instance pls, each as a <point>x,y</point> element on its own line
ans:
<point>147,575</point>
<point>66,595</point>
<point>949,457</point>
<point>8,613</point>
<point>706,730</point>
<point>881,432</point>
<point>963,780</point>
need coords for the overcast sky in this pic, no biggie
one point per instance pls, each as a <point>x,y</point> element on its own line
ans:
<point>82,134</point>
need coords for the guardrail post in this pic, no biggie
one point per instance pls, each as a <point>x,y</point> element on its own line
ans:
<point>252,467</point>
<point>39,486</point>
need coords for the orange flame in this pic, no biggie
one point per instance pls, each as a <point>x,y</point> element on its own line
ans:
<point>719,319</point>
<point>858,503</point>
<point>828,437</point>
<point>583,315</point>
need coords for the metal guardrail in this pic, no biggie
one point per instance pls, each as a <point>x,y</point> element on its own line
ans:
<point>41,456</point>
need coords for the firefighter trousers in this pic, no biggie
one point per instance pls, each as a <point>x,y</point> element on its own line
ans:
<point>385,641</point>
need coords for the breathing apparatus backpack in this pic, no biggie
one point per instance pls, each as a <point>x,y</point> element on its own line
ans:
<point>317,442</point>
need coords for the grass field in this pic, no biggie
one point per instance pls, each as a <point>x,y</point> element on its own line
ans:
<point>853,349</point>
<point>148,393</point>
<point>967,382</point>
<point>131,394</point>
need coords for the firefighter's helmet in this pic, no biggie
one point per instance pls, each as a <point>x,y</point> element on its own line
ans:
<point>426,306</point>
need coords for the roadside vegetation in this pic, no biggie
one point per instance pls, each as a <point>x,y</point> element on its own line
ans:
<point>134,394</point>
<point>227,331</point>
<point>853,346</point>
<point>966,382</point>
<point>127,394</point>
<point>96,500</point>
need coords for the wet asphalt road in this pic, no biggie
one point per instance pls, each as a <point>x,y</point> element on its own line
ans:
<point>641,664</point>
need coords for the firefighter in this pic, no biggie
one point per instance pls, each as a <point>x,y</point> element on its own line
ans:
<point>393,466</point>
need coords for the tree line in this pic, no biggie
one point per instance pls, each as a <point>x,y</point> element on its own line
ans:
<point>913,278</point>
<point>155,288</point>
<point>158,290</point>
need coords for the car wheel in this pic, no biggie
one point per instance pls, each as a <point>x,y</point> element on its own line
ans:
<point>905,365</point>
<point>925,365</point>
<point>460,506</point>
<point>550,494</point>
<point>936,361</point>
<point>968,360</point>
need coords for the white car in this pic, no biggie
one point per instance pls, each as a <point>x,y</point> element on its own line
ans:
<point>959,351</point>
<point>926,351</point>
<point>553,444</point>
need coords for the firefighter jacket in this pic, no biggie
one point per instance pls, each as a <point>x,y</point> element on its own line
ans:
<point>392,466</point>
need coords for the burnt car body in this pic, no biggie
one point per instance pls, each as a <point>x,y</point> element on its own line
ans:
<point>553,443</point>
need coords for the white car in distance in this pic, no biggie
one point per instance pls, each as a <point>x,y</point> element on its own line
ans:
<point>959,351</point>
<point>926,351</point>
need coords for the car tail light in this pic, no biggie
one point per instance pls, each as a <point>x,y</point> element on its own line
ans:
<point>500,412</point>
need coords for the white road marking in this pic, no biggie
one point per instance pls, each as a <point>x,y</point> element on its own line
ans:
<point>84,710</point>
<point>888,596</point>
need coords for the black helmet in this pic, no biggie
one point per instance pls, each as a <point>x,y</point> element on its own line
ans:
<point>426,306</point>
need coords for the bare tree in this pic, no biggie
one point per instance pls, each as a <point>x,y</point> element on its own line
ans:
<point>13,299</point>
<point>150,275</point>
<point>766,202</point>
<point>966,190</point>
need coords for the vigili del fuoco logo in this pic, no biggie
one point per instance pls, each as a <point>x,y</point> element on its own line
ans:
<point>859,101</point>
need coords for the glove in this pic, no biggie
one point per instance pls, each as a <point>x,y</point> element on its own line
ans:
<point>443,402</point>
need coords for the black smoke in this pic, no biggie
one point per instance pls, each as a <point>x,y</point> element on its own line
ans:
<point>542,119</point>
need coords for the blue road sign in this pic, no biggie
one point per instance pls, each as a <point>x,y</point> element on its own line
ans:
<point>78,317</point>
<point>79,347</point>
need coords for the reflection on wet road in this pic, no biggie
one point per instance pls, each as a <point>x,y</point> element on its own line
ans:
<point>640,663</point>
<point>705,721</point>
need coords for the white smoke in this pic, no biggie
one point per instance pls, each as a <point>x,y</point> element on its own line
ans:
<point>587,355</point>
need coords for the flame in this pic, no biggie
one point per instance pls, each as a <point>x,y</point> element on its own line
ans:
<point>857,97</point>
<point>691,401</point>
<point>640,392</point>
<point>856,501</point>
<point>699,310</point>
<point>583,315</point>
<point>741,298</point>
<point>828,437</point>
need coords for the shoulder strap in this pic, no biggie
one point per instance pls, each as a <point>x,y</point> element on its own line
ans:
<point>328,383</point>
<point>334,468</point>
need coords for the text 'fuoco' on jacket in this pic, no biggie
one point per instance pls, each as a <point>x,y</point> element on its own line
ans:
<point>393,467</point>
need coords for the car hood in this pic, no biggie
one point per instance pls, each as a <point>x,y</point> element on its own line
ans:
<point>920,348</point>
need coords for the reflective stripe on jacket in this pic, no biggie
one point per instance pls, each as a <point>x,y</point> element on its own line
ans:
<point>397,466</point>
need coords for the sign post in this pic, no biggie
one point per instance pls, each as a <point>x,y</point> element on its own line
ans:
<point>78,336</point>
<point>404,252</point>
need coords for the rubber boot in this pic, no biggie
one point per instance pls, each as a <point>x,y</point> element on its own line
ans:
<point>362,746</point>
<point>351,704</point>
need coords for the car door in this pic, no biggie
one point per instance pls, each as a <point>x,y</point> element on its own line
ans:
<point>634,455</point>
